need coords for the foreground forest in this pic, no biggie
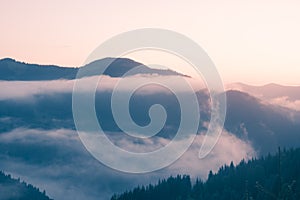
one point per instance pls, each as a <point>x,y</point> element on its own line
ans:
<point>268,178</point>
<point>14,189</point>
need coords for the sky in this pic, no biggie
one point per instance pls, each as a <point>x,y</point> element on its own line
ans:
<point>255,42</point>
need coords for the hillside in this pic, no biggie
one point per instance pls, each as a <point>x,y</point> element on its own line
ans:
<point>14,189</point>
<point>12,70</point>
<point>271,177</point>
<point>268,91</point>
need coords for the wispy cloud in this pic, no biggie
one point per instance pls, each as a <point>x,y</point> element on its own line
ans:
<point>286,102</point>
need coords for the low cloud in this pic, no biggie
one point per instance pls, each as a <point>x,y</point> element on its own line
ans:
<point>228,148</point>
<point>57,161</point>
<point>286,102</point>
<point>27,89</point>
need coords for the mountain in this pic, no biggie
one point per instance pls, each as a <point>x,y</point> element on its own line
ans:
<point>265,126</point>
<point>254,113</point>
<point>270,177</point>
<point>14,189</point>
<point>37,130</point>
<point>268,91</point>
<point>12,70</point>
<point>119,66</point>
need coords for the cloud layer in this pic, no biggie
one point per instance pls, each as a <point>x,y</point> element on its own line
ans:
<point>27,89</point>
<point>58,162</point>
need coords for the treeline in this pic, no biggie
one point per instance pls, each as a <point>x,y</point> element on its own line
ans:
<point>272,177</point>
<point>14,189</point>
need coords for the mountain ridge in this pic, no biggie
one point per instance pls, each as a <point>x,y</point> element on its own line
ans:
<point>12,70</point>
<point>269,91</point>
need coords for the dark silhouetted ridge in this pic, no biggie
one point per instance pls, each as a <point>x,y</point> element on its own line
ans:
<point>14,189</point>
<point>12,70</point>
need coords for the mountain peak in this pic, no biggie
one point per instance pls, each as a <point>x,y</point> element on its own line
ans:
<point>7,60</point>
<point>117,67</point>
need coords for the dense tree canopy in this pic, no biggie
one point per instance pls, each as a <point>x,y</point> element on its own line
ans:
<point>268,178</point>
<point>14,189</point>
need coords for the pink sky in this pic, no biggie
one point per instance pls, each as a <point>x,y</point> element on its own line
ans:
<point>254,41</point>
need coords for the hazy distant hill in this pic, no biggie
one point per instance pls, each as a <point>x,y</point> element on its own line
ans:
<point>11,69</point>
<point>14,189</point>
<point>269,91</point>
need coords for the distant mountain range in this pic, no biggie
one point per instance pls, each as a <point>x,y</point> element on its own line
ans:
<point>269,91</point>
<point>250,112</point>
<point>12,70</point>
<point>37,129</point>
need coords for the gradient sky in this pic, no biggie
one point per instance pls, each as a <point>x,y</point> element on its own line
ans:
<point>255,41</point>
